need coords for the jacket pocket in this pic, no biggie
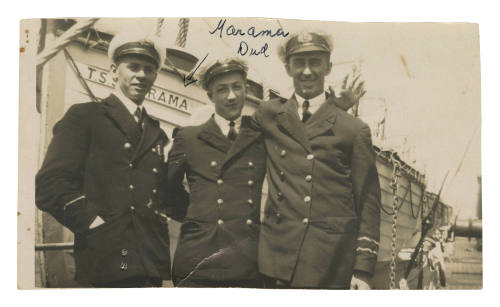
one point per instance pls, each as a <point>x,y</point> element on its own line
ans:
<point>110,230</point>
<point>341,224</point>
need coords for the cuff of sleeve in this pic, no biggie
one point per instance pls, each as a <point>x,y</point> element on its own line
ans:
<point>78,215</point>
<point>365,262</point>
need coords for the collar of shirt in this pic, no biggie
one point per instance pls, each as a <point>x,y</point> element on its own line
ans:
<point>314,103</point>
<point>129,104</point>
<point>224,123</point>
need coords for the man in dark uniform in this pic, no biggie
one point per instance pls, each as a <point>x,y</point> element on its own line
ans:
<point>321,228</point>
<point>224,162</point>
<point>102,174</point>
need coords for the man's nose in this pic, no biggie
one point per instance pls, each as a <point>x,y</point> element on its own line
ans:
<point>231,95</point>
<point>307,71</point>
<point>141,73</point>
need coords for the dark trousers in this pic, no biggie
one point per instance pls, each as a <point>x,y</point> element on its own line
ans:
<point>272,283</point>
<point>133,282</point>
<point>189,283</point>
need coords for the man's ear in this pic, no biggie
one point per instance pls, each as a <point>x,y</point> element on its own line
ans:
<point>287,67</point>
<point>114,72</point>
<point>329,69</point>
<point>209,94</point>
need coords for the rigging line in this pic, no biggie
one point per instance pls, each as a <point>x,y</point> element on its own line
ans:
<point>401,205</point>
<point>79,75</point>
<point>279,23</point>
<point>411,201</point>
<point>459,167</point>
<point>63,40</point>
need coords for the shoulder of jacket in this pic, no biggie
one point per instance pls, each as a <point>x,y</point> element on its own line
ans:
<point>185,131</point>
<point>271,106</point>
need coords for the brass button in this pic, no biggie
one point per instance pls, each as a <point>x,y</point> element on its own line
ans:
<point>250,201</point>
<point>124,252</point>
<point>249,222</point>
<point>250,164</point>
<point>154,191</point>
<point>127,145</point>
<point>131,186</point>
<point>130,165</point>
<point>213,164</point>
<point>220,222</point>
<point>155,170</point>
<point>250,183</point>
<point>123,266</point>
<point>305,220</point>
<point>220,201</point>
<point>282,175</point>
<point>280,196</point>
<point>220,181</point>
<point>309,178</point>
<point>156,212</point>
<point>153,149</point>
<point>132,208</point>
<point>307,199</point>
<point>283,153</point>
<point>310,157</point>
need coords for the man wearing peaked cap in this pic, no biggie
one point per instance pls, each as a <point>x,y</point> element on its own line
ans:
<point>102,174</point>
<point>322,218</point>
<point>224,162</point>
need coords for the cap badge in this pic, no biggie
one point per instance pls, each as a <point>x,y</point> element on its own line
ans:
<point>304,38</point>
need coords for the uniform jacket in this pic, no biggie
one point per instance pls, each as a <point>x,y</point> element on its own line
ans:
<point>219,233</point>
<point>322,213</point>
<point>100,164</point>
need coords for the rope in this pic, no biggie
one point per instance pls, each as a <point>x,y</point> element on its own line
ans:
<point>411,203</point>
<point>63,40</point>
<point>183,31</point>
<point>159,26</point>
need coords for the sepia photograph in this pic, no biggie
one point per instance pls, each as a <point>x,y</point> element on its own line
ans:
<point>261,153</point>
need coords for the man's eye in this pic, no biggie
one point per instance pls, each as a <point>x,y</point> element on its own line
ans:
<point>133,67</point>
<point>315,62</point>
<point>149,70</point>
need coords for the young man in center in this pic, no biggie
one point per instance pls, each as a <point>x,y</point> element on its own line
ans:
<point>224,162</point>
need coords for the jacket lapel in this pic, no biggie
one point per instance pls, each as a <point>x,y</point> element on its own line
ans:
<point>322,120</point>
<point>246,136</point>
<point>122,118</point>
<point>211,134</point>
<point>288,119</point>
<point>150,133</point>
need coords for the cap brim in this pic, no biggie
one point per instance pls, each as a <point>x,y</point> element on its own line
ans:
<point>308,49</point>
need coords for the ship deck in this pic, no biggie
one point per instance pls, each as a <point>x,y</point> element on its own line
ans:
<point>464,269</point>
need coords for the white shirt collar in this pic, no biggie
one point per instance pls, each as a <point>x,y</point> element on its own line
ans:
<point>224,123</point>
<point>314,103</point>
<point>127,102</point>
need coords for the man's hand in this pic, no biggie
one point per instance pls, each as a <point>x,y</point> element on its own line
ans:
<point>351,92</point>
<point>97,222</point>
<point>359,282</point>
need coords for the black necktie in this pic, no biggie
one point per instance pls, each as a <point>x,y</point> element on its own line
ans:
<point>305,111</point>
<point>232,132</point>
<point>138,115</point>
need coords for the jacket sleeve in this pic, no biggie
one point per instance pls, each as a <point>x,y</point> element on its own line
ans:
<point>177,197</point>
<point>58,184</point>
<point>367,199</point>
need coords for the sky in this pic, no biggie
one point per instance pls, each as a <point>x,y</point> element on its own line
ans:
<point>423,78</point>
